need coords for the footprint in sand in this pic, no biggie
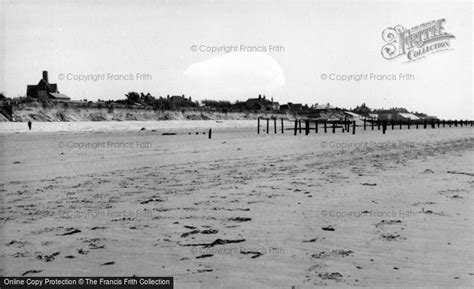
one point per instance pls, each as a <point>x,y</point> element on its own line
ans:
<point>333,253</point>
<point>391,237</point>
<point>240,219</point>
<point>393,234</point>
<point>387,222</point>
<point>331,276</point>
<point>18,244</point>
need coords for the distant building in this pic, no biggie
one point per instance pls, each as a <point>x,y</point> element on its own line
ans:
<point>362,110</point>
<point>275,106</point>
<point>295,106</point>
<point>261,103</point>
<point>45,90</point>
<point>291,107</point>
<point>179,99</point>
<point>374,115</point>
<point>387,116</point>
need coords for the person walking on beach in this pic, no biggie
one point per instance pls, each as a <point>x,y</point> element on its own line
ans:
<point>29,124</point>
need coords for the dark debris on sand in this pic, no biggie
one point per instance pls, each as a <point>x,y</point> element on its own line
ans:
<point>215,243</point>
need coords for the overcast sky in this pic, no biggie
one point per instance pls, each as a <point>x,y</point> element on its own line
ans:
<point>157,39</point>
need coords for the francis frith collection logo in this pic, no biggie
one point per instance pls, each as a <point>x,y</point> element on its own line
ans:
<point>416,42</point>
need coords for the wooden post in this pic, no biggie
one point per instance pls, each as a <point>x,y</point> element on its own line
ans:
<point>316,125</point>
<point>325,127</point>
<point>401,124</point>
<point>393,124</point>
<point>354,127</point>
<point>372,123</point>
<point>424,124</point>
<point>438,123</point>
<point>460,122</point>
<point>432,123</point>
<point>300,125</point>
<point>296,125</point>
<point>210,133</point>
<point>348,126</point>
<point>408,123</point>
<point>306,127</point>
<point>258,125</point>
<point>275,125</point>
<point>333,127</point>
<point>365,124</point>
<point>384,126</point>
<point>378,124</point>
<point>282,129</point>
<point>268,125</point>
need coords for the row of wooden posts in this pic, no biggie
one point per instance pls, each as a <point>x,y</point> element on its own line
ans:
<point>346,125</point>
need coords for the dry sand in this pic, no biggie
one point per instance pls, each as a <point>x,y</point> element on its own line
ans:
<point>242,210</point>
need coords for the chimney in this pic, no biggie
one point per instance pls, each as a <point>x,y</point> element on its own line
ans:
<point>45,75</point>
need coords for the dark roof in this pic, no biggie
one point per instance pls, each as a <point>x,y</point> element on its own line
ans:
<point>52,87</point>
<point>42,85</point>
<point>259,100</point>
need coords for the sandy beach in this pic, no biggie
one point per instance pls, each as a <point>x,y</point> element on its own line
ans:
<point>240,210</point>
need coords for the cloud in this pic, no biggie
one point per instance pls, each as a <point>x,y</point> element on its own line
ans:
<point>236,74</point>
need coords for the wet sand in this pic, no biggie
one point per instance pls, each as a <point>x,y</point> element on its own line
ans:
<point>242,210</point>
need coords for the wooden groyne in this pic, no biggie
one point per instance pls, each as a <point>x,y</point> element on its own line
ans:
<point>346,126</point>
